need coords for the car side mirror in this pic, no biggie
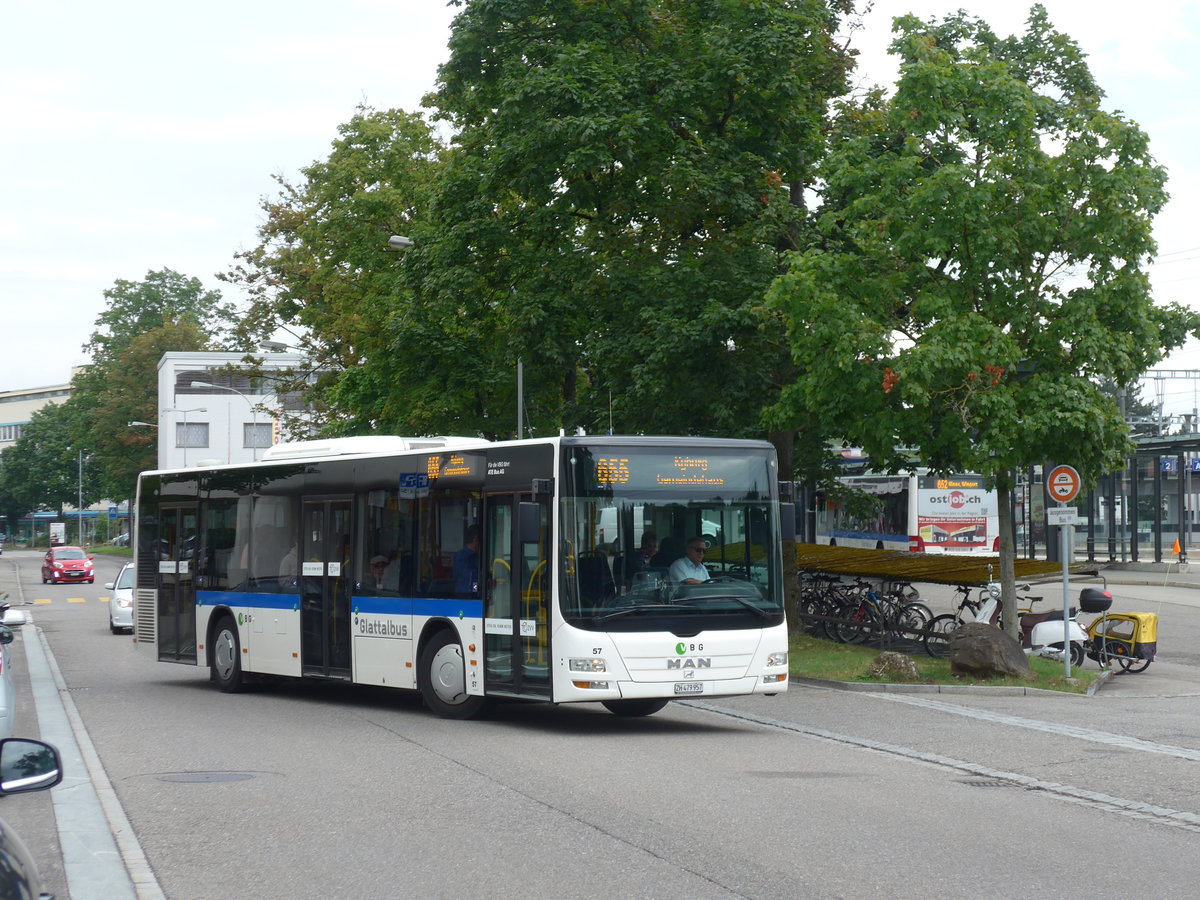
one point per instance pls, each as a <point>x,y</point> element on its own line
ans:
<point>28,765</point>
<point>109,585</point>
<point>90,556</point>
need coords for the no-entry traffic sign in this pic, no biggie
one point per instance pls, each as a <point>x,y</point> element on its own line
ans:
<point>1063,484</point>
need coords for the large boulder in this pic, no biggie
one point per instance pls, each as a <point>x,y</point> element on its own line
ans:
<point>984,651</point>
<point>892,666</point>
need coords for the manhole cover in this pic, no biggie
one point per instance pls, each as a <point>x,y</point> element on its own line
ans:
<point>204,777</point>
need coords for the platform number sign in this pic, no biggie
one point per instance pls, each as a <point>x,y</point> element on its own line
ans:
<point>1063,484</point>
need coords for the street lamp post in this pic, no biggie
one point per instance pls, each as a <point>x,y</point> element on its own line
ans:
<point>186,435</point>
<point>79,508</point>
<point>253,408</point>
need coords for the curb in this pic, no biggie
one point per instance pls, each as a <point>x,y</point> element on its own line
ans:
<point>881,687</point>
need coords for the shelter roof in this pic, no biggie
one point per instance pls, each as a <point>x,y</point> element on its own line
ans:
<point>936,568</point>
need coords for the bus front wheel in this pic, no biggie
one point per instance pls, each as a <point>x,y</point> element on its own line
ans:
<point>632,708</point>
<point>227,657</point>
<point>444,679</point>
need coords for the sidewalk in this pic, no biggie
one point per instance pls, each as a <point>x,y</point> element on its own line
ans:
<point>100,853</point>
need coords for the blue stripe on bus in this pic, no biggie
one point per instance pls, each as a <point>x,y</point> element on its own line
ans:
<point>450,608</point>
<point>246,598</point>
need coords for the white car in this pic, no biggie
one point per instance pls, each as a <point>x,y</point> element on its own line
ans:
<point>120,604</point>
<point>8,693</point>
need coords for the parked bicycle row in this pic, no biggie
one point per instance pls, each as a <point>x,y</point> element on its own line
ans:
<point>890,614</point>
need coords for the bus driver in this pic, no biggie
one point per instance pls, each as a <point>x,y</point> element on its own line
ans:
<point>689,569</point>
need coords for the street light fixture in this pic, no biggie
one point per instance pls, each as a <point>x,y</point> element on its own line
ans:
<point>186,435</point>
<point>253,408</point>
<point>142,424</point>
<point>399,242</point>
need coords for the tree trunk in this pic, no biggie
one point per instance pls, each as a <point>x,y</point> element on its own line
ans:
<point>1008,578</point>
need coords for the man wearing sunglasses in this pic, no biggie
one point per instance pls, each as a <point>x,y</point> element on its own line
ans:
<point>689,568</point>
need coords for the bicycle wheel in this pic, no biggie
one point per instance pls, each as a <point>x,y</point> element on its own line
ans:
<point>936,639</point>
<point>855,624</point>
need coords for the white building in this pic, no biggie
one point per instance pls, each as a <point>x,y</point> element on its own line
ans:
<point>18,407</point>
<point>211,411</point>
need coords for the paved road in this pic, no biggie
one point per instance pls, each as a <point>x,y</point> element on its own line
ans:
<point>317,791</point>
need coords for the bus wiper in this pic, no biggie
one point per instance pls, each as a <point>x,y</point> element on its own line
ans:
<point>630,610</point>
<point>753,607</point>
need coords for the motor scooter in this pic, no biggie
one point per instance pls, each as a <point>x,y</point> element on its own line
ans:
<point>1041,633</point>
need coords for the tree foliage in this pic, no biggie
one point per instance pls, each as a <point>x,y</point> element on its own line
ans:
<point>142,320</point>
<point>323,274</point>
<point>621,189</point>
<point>40,471</point>
<point>985,233</point>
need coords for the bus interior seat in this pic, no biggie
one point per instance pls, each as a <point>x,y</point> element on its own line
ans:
<point>595,578</point>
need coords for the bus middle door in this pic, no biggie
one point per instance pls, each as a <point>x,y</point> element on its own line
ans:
<point>325,583</point>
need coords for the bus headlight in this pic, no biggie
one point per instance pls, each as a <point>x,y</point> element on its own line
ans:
<point>777,659</point>
<point>592,664</point>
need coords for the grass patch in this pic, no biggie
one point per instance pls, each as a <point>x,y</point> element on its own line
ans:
<point>812,657</point>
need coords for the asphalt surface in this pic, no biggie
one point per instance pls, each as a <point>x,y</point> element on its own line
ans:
<point>100,855</point>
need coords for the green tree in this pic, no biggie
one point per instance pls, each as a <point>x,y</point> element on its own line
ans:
<point>142,320</point>
<point>625,178</point>
<point>985,235</point>
<point>41,469</point>
<point>120,452</point>
<point>323,274</point>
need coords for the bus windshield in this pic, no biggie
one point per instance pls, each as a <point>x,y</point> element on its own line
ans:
<point>628,517</point>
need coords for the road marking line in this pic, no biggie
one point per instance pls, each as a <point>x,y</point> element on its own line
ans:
<point>1072,731</point>
<point>77,600</point>
<point>42,602</point>
<point>1132,808</point>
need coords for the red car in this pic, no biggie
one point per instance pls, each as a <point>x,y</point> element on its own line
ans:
<point>67,564</point>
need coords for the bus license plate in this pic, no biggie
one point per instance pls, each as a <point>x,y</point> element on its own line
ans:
<point>689,687</point>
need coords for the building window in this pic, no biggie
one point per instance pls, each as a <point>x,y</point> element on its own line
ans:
<point>191,434</point>
<point>257,435</point>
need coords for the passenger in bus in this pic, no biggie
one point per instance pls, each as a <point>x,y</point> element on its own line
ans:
<point>466,564</point>
<point>689,569</point>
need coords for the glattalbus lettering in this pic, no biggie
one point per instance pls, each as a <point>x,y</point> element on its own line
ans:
<point>382,628</point>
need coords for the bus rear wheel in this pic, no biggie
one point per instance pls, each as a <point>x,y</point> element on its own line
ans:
<point>227,657</point>
<point>443,677</point>
<point>634,708</point>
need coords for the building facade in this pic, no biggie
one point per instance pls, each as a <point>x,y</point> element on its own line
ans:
<point>214,408</point>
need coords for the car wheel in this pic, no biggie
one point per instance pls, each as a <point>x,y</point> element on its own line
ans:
<point>112,627</point>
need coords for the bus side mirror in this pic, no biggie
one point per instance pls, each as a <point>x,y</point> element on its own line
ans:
<point>787,522</point>
<point>529,522</point>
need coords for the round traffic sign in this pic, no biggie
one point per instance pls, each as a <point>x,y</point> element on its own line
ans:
<point>1063,484</point>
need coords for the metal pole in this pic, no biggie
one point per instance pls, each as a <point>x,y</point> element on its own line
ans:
<point>79,509</point>
<point>520,395</point>
<point>1066,533</point>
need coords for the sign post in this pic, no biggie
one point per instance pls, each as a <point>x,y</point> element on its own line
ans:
<point>1062,484</point>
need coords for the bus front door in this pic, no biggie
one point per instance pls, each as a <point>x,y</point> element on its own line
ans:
<point>325,583</point>
<point>516,600</point>
<point>177,537</point>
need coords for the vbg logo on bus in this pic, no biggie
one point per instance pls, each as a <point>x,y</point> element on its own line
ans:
<point>387,628</point>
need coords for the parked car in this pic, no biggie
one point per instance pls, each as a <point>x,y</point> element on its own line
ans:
<point>25,765</point>
<point>8,693</point>
<point>63,564</point>
<point>120,604</point>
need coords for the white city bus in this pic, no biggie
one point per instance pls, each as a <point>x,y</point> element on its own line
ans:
<point>916,511</point>
<point>471,570</point>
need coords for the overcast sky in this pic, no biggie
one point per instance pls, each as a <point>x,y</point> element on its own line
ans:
<point>143,135</point>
